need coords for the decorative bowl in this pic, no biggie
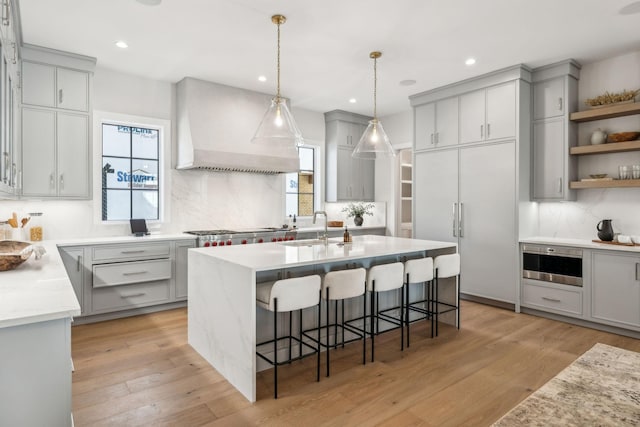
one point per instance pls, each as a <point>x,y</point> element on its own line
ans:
<point>13,253</point>
<point>623,136</point>
<point>598,175</point>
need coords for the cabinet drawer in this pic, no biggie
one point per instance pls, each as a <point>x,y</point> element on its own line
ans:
<point>137,251</point>
<point>130,272</point>
<point>561,300</point>
<point>130,296</point>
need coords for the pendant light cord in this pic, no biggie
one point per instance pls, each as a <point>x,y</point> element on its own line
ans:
<point>278,90</point>
<point>375,87</point>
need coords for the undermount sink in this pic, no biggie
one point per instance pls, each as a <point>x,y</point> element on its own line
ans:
<point>306,242</point>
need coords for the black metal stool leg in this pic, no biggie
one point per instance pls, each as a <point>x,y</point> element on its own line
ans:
<point>407,309</point>
<point>327,331</point>
<point>401,319</point>
<point>290,333</point>
<point>275,348</point>
<point>364,330</point>
<point>372,312</point>
<point>319,326</point>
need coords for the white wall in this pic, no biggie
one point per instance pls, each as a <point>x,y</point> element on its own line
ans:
<point>578,219</point>
<point>198,199</point>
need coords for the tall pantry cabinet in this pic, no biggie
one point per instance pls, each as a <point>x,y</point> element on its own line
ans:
<point>56,124</point>
<point>475,191</point>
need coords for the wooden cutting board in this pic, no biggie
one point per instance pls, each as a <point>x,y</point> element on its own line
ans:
<point>615,243</point>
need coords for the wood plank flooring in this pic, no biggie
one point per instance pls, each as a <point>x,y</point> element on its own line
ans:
<point>140,371</point>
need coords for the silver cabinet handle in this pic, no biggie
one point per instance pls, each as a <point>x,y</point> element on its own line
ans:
<point>488,130</point>
<point>432,139</point>
<point>560,185</point>
<point>481,131</point>
<point>5,13</point>
<point>139,294</point>
<point>6,165</point>
<point>78,262</point>
<point>51,181</point>
<point>551,299</point>
<point>560,104</point>
<point>14,174</point>
<point>637,269</point>
<point>14,60</point>
<point>133,273</point>
<point>62,181</point>
<point>453,219</point>
<point>437,138</point>
<point>461,220</point>
<point>60,96</point>
<point>138,251</point>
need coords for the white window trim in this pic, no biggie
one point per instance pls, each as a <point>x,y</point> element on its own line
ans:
<point>164,156</point>
<point>318,174</point>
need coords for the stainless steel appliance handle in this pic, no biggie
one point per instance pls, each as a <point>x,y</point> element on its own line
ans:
<point>551,299</point>
<point>453,219</point>
<point>560,185</point>
<point>133,273</point>
<point>461,220</point>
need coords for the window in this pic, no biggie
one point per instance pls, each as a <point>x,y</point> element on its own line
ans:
<point>130,172</point>
<point>299,186</point>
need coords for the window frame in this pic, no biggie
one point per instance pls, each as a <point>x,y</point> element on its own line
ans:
<point>315,158</point>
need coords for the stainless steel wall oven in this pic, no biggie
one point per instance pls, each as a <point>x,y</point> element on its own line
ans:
<point>552,264</point>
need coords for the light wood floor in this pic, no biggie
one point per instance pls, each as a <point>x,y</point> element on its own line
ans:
<point>141,371</point>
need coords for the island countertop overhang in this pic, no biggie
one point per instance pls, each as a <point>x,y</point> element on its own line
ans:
<point>269,256</point>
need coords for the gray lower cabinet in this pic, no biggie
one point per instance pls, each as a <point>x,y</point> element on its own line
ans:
<point>180,263</point>
<point>616,289</point>
<point>126,276</point>
<point>35,374</point>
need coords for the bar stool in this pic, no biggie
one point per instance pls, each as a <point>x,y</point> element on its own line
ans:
<point>383,278</point>
<point>446,266</point>
<point>289,295</point>
<point>419,271</point>
<point>339,286</point>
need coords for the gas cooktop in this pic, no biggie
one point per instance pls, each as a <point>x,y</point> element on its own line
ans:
<point>210,232</point>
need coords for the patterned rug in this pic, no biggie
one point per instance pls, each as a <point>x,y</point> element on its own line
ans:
<point>600,388</point>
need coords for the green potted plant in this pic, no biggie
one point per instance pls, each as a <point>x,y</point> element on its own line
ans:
<point>357,210</point>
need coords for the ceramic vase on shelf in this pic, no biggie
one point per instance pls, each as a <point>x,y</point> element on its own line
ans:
<point>358,220</point>
<point>598,137</point>
<point>605,230</point>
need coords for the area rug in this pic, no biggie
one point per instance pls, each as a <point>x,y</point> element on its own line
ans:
<point>600,388</point>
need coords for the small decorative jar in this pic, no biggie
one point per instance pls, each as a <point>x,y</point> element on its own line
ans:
<point>35,226</point>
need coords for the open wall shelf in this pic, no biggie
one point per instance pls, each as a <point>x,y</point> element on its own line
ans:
<point>620,110</point>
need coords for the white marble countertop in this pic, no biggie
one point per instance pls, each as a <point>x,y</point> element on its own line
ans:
<point>579,243</point>
<point>123,239</point>
<point>269,256</point>
<point>37,291</point>
<point>40,290</point>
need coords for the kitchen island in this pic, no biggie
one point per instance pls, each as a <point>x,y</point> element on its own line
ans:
<point>222,290</point>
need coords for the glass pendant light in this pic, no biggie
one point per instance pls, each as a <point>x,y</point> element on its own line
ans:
<point>278,126</point>
<point>374,141</point>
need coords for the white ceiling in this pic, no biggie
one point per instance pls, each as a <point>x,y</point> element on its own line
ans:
<point>326,43</point>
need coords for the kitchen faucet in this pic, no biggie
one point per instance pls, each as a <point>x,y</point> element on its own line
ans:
<point>325,236</point>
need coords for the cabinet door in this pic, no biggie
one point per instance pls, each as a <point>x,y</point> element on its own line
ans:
<point>356,133</point>
<point>73,155</point>
<point>501,112</point>
<point>616,288</point>
<point>425,126</point>
<point>436,195</point>
<point>38,152</point>
<point>487,221</point>
<point>548,99</point>
<point>472,109</point>
<point>447,122</point>
<point>367,177</point>
<point>548,160</point>
<point>182,252</point>
<point>73,263</point>
<point>73,89</point>
<point>343,134</point>
<point>38,84</point>
<point>344,174</point>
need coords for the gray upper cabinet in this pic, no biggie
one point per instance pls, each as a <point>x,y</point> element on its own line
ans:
<point>488,114</point>
<point>56,87</point>
<point>555,96</point>
<point>347,178</point>
<point>436,124</point>
<point>56,119</point>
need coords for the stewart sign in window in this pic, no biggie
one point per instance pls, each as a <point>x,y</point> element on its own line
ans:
<point>130,173</point>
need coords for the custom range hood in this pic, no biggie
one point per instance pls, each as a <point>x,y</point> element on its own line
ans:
<point>215,124</point>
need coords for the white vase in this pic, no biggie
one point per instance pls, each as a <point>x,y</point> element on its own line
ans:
<point>598,137</point>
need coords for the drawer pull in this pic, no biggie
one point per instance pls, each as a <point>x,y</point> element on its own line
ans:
<point>139,294</point>
<point>131,273</point>
<point>139,251</point>
<point>551,299</point>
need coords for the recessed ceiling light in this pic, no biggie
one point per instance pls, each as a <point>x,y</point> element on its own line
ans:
<point>122,44</point>
<point>262,78</point>
<point>630,9</point>
<point>407,82</point>
<point>353,100</point>
<point>470,61</point>
<point>149,2</point>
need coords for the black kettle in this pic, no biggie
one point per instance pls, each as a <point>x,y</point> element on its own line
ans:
<point>605,230</point>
